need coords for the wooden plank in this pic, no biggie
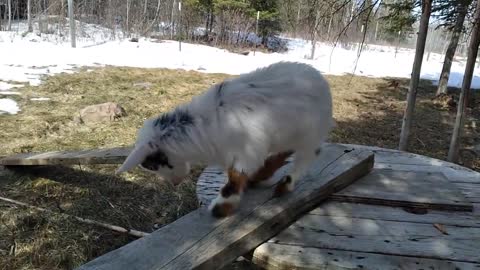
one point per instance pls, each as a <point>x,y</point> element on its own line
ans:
<point>273,256</point>
<point>470,190</point>
<point>355,210</point>
<point>407,189</point>
<point>394,156</point>
<point>451,174</point>
<point>92,156</point>
<point>385,237</point>
<point>199,241</point>
<point>382,186</point>
<point>476,209</point>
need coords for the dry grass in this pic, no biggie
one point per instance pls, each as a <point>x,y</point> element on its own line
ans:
<point>368,111</point>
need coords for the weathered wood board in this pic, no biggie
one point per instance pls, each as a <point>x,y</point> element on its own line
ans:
<point>199,241</point>
<point>353,236</point>
<point>272,256</point>
<point>428,190</point>
<point>410,189</point>
<point>92,156</point>
<point>401,214</point>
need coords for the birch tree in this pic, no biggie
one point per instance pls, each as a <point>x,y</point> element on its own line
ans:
<point>461,10</point>
<point>466,84</point>
<point>415,77</point>
<point>29,15</point>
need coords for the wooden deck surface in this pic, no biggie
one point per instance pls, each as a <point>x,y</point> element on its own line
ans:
<point>199,241</point>
<point>375,234</point>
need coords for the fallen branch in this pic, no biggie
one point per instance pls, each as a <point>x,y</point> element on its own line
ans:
<point>83,220</point>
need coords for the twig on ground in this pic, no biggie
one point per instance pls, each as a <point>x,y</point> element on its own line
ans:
<point>83,220</point>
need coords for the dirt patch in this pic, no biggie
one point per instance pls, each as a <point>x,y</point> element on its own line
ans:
<point>368,111</point>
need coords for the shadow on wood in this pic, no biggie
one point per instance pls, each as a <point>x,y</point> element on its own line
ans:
<point>199,241</point>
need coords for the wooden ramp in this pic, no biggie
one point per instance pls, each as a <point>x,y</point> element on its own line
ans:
<point>92,156</point>
<point>199,241</point>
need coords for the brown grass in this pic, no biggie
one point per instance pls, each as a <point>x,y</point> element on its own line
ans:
<point>368,111</point>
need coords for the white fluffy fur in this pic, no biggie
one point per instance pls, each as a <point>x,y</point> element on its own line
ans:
<point>285,106</point>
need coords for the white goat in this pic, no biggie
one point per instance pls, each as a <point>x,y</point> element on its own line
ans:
<point>239,124</point>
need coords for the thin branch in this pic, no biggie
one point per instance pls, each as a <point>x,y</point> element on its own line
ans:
<point>364,36</point>
<point>83,220</point>
<point>348,25</point>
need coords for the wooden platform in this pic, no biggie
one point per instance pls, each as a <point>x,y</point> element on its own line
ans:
<point>91,156</point>
<point>199,241</point>
<point>410,212</point>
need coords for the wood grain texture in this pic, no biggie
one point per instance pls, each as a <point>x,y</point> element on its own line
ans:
<point>384,237</point>
<point>425,189</point>
<point>92,156</point>
<point>272,256</point>
<point>429,190</point>
<point>339,235</point>
<point>378,212</point>
<point>199,241</point>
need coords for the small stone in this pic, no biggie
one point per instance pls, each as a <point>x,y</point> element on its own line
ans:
<point>105,112</point>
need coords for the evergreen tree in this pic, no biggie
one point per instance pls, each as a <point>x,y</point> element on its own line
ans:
<point>269,22</point>
<point>399,19</point>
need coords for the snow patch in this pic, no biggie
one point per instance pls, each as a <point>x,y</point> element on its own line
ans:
<point>6,93</point>
<point>8,86</point>
<point>9,106</point>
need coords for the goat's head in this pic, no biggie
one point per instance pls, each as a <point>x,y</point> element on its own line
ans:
<point>153,159</point>
<point>151,155</point>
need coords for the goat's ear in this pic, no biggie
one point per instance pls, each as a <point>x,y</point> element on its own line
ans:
<point>137,156</point>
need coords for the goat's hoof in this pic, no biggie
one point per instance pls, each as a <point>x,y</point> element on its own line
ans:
<point>253,184</point>
<point>222,210</point>
<point>284,186</point>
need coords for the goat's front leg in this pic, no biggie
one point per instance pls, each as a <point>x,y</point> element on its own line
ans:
<point>230,194</point>
<point>301,163</point>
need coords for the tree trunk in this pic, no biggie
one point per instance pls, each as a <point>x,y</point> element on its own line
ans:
<point>127,19</point>
<point>417,66</point>
<point>9,6</point>
<point>212,16</point>
<point>172,20</point>
<point>154,21</point>
<point>452,47</point>
<point>180,25</point>
<point>206,24</point>
<point>314,34</point>
<point>298,18</point>
<point>467,81</point>
<point>29,15</point>
<point>72,23</point>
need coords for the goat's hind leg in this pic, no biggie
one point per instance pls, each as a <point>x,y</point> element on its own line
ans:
<point>303,159</point>
<point>230,194</point>
<point>270,166</point>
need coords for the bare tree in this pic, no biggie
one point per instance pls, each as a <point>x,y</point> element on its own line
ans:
<point>415,78</point>
<point>72,23</point>
<point>452,47</point>
<point>314,33</point>
<point>465,91</point>
<point>29,15</point>
<point>9,6</point>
